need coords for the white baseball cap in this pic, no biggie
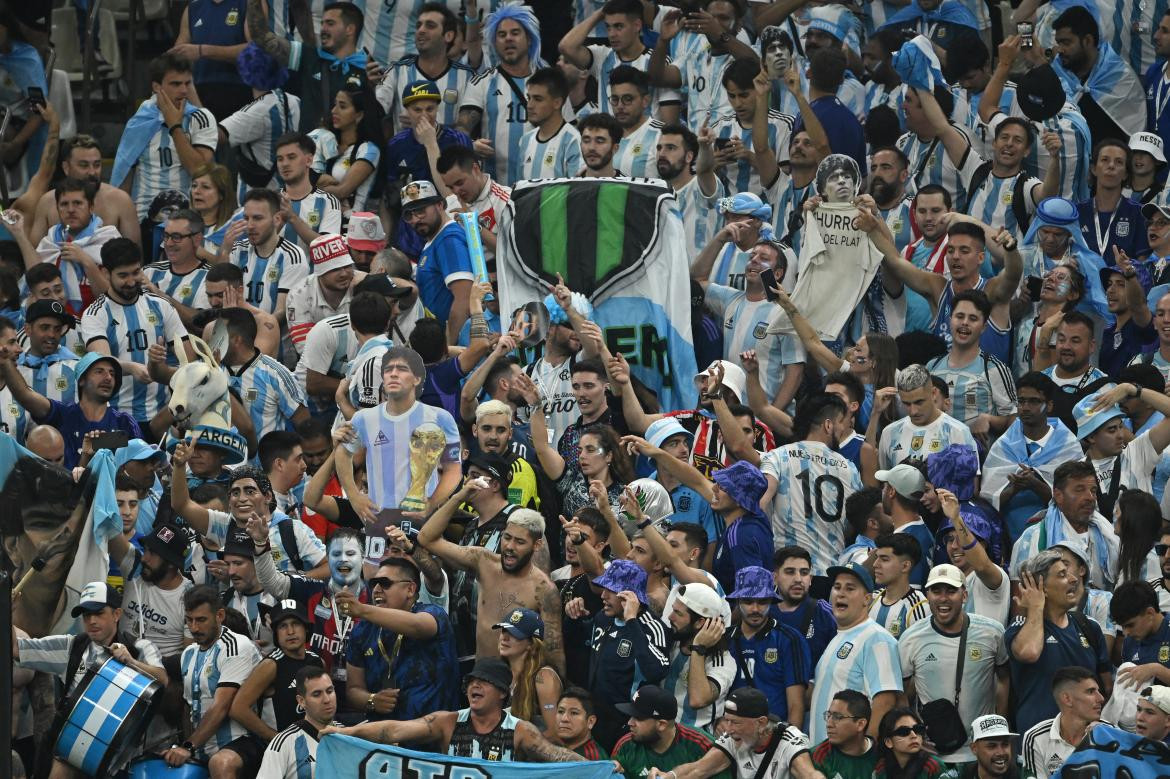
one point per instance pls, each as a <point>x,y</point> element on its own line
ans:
<point>1159,696</point>
<point>945,573</point>
<point>990,726</point>
<point>701,599</point>
<point>1150,143</point>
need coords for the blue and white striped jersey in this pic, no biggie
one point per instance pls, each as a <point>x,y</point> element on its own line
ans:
<point>14,418</point>
<point>930,164</point>
<point>452,85</point>
<point>982,386</point>
<point>327,349</point>
<point>808,508</point>
<point>214,235</point>
<point>129,330</point>
<point>730,267</point>
<point>701,73</point>
<point>269,392</point>
<point>228,662</point>
<point>292,753</point>
<point>187,288</point>
<point>896,617</point>
<point>53,375</point>
<point>899,220</point>
<point>605,60</point>
<point>265,278</point>
<point>332,159</point>
<point>365,372</point>
<point>992,203</point>
<point>701,219</point>
<point>310,548</point>
<point>720,669</point>
<point>902,439</point>
<point>320,210</point>
<point>741,176</point>
<point>583,9</point>
<point>787,201</point>
<point>253,130</point>
<point>159,167</point>
<point>404,453</point>
<point>877,94</point>
<point>388,32</point>
<point>745,326</point>
<point>862,658</point>
<point>637,154</point>
<point>1075,153</point>
<point>504,118</point>
<point>555,157</point>
<point>1134,22</point>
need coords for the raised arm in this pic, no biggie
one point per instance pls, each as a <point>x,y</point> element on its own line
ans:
<point>197,516</point>
<point>1135,296</point>
<point>953,140</point>
<point>550,460</point>
<point>825,357</point>
<point>1159,401</point>
<point>758,401</point>
<point>663,551</point>
<point>36,403</point>
<point>679,469</point>
<point>430,536</point>
<point>987,571</point>
<point>270,42</point>
<point>993,92</point>
<point>1001,288</point>
<point>929,285</point>
<point>572,46</point>
<point>661,74</point>
<point>473,385</point>
<point>619,376</point>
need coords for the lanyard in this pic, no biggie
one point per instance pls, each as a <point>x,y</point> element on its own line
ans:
<point>390,658</point>
<point>1103,240</point>
<point>1161,96</point>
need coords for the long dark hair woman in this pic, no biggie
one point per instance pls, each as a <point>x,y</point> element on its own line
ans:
<point>901,752</point>
<point>1138,523</point>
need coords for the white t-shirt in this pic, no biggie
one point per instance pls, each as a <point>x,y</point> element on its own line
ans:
<point>747,761</point>
<point>993,604</point>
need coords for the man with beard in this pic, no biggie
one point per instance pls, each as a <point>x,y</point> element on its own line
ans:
<point>245,594</point>
<point>697,193</point>
<point>308,211</point>
<point>1071,367</point>
<point>655,739</point>
<point>506,579</point>
<point>601,135</point>
<point>269,690</point>
<point>327,291</point>
<point>991,744</point>
<point>124,323</point>
<point>590,391</point>
<point>444,266</point>
<point>701,668</point>
<point>214,667</point>
<point>930,206</point>
<point>889,171</point>
<point>931,650</point>
<point>924,429</point>
<point>1079,700</point>
<point>179,278</point>
<point>330,628</point>
<point>494,432</point>
<point>884,85</point>
<point>629,96</point>
<point>495,378</point>
<point>1049,637</point>
<point>272,265</point>
<point>98,379</point>
<point>154,586</point>
<point>1161,584</point>
<point>47,365</point>
<point>769,655</point>
<point>293,751</point>
<point>74,244</point>
<point>586,537</point>
<point>81,158</point>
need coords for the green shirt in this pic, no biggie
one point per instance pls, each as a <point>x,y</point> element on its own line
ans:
<point>591,750</point>
<point>835,764</point>
<point>689,745</point>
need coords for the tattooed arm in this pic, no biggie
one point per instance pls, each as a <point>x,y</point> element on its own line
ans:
<point>551,612</point>
<point>434,728</point>
<point>273,44</point>
<point>533,746</point>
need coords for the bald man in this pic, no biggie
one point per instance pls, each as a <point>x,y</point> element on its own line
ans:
<point>46,442</point>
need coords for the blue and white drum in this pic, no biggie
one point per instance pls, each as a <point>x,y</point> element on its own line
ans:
<point>108,713</point>
<point>156,768</point>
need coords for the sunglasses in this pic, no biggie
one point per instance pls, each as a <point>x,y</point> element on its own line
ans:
<point>906,730</point>
<point>384,582</point>
<point>1161,549</point>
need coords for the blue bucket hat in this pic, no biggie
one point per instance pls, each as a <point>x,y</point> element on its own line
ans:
<point>744,483</point>
<point>624,575</point>
<point>954,469</point>
<point>1088,421</point>
<point>522,623</point>
<point>662,430</point>
<point>90,359</point>
<point>755,583</point>
<point>853,569</point>
<point>975,523</point>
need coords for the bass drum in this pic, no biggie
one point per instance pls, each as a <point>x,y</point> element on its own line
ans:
<point>156,768</point>
<point>108,714</point>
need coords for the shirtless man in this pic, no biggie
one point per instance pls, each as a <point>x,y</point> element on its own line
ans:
<point>506,580</point>
<point>82,159</point>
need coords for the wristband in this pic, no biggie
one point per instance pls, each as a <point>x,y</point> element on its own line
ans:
<point>176,126</point>
<point>262,549</point>
<point>1137,391</point>
<point>701,651</point>
<point>370,704</point>
<point>187,745</point>
<point>971,545</point>
<point>471,20</point>
<point>645,523</point>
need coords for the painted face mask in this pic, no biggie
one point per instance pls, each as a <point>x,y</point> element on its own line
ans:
<point>345,561</point>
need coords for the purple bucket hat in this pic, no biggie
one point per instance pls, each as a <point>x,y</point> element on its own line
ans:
<point>754,582</point>
<point>954,469</point>
<point>624,575</point>
<point>745,483</point>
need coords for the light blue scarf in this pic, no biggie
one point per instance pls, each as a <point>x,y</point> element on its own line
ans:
<point>355,60</point>
<point>1052,533</point>
<point>147,121</point>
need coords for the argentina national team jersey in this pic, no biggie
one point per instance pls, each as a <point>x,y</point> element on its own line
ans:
<point>330,158</point>
<point>320,211</point>
<point>740,175</point>
<point>862,658</point>
<point>14,418</point>
<point>388,32</point>
<point>52,376</point>
<point>365,372</point>
<point>1134,22</point>
<point>701,219</point>
<point>265,278</point>
<point>254,129</point>
<point>327,350</point>
<point>404,453</point>
<point>902,439</point>
<point>129,330</point>
<point>808,507</point>
<point>292,753</point>
<point>269,392</point>
<point>452,85</point>
<point>982,386</point>
<point>745,326</point>
<point>159,168</point>
<point>187,288</point>
<point>228,662</point>
<point>1076,145</point>
<point>930,164</point>
<point>605,60</point>
<point>896,617</point>
<point>555,157</point>
<point>637,154</point>
<point>898,218</point>
<point>720,669</point>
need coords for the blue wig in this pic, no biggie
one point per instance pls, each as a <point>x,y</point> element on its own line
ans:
<point>522,15</point>
<point>259,70</point>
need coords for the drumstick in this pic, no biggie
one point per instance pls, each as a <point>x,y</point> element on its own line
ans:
<point>38,564</point>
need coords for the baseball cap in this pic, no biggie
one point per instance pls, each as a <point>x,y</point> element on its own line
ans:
<point>906,480</point>
<point>288,608</point>
<point>746,702</point>
<point>239,543</point>
<point>95,597</point>
<point>1090,421</point>
<point>522,623</point>
<point>990,726</point>
<point>382,284</point>
<point>39,309</point>
<point>945,574</point>
<point>650,702</point>
<point>701,599</point>
<point>365,232</point>
<point>1150,143</point>
<point>853,569</point>
<point>417,194</point>
<point>492,670</point>
<point>1160,205</point>
<point>1157,695</point>
<point>1040,93</point>
<point>137,449</point>
<point>329,252</point>
<point>495,465</point>
<point>168,542</point>
<point>420,89</point>
<point>662,430</point>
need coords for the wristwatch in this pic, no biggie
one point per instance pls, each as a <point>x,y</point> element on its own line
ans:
<point>369,704</point>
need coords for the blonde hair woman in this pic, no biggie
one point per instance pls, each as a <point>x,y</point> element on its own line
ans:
<point>536,686</point>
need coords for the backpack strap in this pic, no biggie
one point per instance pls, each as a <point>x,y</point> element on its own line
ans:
<point>1019,209</point>
<point>288,539</point>
<point>77,649</point>
<point>978,177</point>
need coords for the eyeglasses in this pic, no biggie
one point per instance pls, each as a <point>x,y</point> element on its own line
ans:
<point>832,716</point>
<point>176,237</point>
<point>384,582</point>
<point>1161,549</point>
<point>622,99</point>
<point>906,730</point>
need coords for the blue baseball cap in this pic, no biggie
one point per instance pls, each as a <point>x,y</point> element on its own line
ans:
<point>853,569</point>
<point>522,623</point>
<point>137,449</point>
<point>92,358</point>
<point>662,430</point>
<point>755,583</point>
<point>1089,421</point>
<point>420,89</point>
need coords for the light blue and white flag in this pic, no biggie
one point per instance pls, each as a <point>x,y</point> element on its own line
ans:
<point>918,65</point>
